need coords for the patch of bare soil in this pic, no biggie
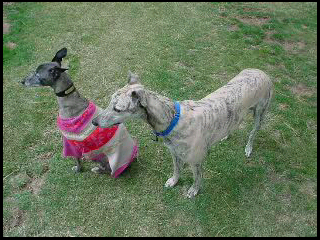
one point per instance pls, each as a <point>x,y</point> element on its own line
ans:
<point>294,47</point>
<point>254,20</point>
<point>275,177</point>
<point>6,28</point>
<point>311,125</point>
<point>283,218</point>
<point>302,90</point>
<point>309,188</point>
<point>233,28</point>
<point>268,38</point>
<point>17,219</point>
<point>11,45</point>
<point>36,184</point>
<point>283,106</point>
<point>18,216</point>
<point>19,181</point>
<point>6,25</point>
<point>251,9</point>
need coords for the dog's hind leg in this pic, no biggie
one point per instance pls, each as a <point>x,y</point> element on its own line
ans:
<point>258,114</point>
<point>104,166</point>
<point>77,168</point>
<point>194,189</point>
<point>176,171</point>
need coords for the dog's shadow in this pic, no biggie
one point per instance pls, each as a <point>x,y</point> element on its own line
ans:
<point>132,170</point>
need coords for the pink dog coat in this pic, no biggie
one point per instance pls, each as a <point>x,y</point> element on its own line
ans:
<point>82,139</point>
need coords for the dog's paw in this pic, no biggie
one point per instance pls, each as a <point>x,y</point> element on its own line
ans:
<point>76,169</point>
<point>248,150</point>
<point>171,182</point>
<point>95,170</point>
<point>192,192</point>
<point>225,138</point>
<point>99,170</point>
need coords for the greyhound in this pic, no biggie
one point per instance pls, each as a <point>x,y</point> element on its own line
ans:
<point>190,127</point>
<point>71,106</point>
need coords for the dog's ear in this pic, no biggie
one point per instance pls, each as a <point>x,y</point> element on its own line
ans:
<point>56,72</point>
<point>139,95</point>
<point>133,78</point>
<point>59,55</point>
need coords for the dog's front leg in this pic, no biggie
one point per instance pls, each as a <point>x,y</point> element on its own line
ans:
<point>194,189</point>
<point>176,171</point>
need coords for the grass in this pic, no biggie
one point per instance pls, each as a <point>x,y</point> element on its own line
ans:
<point>184,51</point>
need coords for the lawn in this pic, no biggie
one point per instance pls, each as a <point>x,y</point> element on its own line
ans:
<point>183,51</point>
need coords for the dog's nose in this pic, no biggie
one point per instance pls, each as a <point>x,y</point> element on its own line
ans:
<point>95,122</point>
<point>23,81</point>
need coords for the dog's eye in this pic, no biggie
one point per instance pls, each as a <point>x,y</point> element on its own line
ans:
<point>116,109</point>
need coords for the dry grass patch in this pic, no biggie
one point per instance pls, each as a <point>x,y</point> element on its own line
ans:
<point>294,47</point>
<point>302,90</point>
<point>283,106</point>
<point>17,218</point>
<point>254,20</point>
<point>19,181</point>
<point>36,184</point>
<point>11,45</point>
<point>6,25</point>
<point>233,28</point>
<point>268,36</point>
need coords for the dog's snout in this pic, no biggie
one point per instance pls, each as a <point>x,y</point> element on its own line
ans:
<point>23,81</point>
<point>95,122</point>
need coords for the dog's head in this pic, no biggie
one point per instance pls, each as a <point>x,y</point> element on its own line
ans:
<point>127,102</point>
<point>48,73</point>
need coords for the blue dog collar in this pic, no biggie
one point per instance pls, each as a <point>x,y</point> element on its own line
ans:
<point>173,123</point>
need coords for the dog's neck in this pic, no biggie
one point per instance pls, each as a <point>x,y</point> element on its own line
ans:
<point>160,111</point>
<point>71,105</point>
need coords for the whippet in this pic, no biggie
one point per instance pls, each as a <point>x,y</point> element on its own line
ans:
<point>190,127</point>
<point>112,147</point>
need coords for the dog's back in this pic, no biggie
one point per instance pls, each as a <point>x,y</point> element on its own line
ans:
<point>244,89</point>
<point>222,111</point>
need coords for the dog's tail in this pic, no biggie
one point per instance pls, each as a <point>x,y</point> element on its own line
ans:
<point>270,96</point>
<point>268,100</point>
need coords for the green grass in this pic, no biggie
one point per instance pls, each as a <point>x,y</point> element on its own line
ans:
<point>184,51</point>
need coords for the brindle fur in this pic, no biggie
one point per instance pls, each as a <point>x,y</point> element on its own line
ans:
<point>201,124</point>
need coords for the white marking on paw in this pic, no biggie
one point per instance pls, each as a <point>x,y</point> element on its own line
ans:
<point>192,192</point>
<point>225,138</point>
<point>171,182</point>
<point>95,170</point>
<point>76,169</point>
<point>248,151</point>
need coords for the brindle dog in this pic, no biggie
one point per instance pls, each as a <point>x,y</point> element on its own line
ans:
<point>200,123</point>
